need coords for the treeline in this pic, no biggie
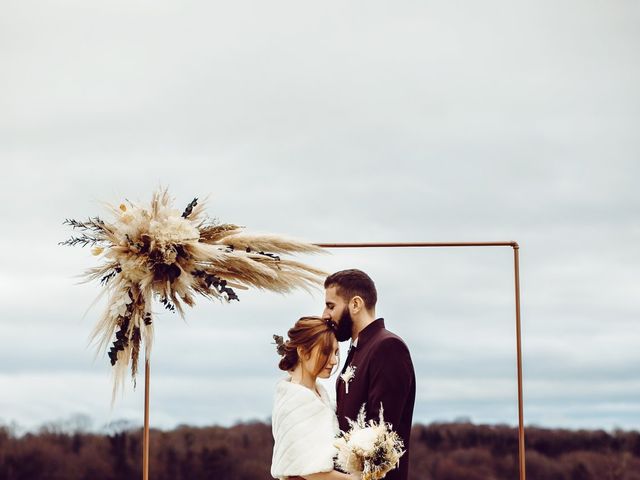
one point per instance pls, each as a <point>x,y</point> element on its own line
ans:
<point>481,452</point>
<point>443,451</point>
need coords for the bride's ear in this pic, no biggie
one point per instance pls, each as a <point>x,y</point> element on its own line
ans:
<point>302,354</point>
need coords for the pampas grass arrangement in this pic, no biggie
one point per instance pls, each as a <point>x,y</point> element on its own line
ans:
<point>371,449</point>
<point>159,252</point>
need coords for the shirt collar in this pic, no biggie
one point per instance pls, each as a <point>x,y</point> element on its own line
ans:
<point>368,332</point>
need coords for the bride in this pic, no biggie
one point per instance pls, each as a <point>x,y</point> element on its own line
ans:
<point>304,423</point>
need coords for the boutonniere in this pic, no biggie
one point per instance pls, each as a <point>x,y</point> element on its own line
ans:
<point>347,376</point>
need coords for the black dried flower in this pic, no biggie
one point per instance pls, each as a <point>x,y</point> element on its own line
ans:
<point>190,207</point>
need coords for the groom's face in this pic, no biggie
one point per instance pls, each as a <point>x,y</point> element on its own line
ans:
<point>337,309</point>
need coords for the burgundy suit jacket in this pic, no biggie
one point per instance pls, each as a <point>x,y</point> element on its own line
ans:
<point>383,373</point>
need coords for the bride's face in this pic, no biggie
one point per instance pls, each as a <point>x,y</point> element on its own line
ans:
<point>332,361</point>
<point>310,362</point>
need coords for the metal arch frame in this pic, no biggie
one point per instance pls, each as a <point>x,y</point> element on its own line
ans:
<point>516,262</point>
<point>516,268</point>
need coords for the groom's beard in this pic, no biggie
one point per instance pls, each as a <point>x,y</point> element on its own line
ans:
<point>345,326</point>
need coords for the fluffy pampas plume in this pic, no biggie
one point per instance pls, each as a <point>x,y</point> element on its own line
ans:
<point>158,252</point>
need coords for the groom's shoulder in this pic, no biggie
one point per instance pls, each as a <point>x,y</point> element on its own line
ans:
<point>389,340</point>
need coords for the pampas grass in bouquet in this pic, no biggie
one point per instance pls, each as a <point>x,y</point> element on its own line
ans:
<point>369,448</point>
<point>157,252</point>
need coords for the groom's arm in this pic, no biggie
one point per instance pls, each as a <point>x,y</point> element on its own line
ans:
<point>390,380</point>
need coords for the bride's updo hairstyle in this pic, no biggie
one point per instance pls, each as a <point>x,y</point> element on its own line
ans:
<point>307,334</point>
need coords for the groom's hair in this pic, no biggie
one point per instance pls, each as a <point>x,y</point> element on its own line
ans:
<point>351,283</point>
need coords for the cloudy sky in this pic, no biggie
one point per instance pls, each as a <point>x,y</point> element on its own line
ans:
<point>333,121</point>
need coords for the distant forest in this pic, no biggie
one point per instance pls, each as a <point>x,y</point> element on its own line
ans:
<point>442,451</point>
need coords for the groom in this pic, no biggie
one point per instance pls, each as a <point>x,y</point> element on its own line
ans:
<point>379,364</point>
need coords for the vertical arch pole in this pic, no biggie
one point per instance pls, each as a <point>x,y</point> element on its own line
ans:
<point>516,267</point>
<point>145,433</point>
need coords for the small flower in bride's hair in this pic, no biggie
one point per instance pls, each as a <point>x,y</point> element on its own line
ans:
<point>280,344</point>
<point>331,324</point>
<point>347,377</point>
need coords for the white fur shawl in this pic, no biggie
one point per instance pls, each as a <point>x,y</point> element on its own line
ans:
<point>304,429</point>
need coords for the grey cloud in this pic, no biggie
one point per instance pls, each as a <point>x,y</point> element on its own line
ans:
<point>335,122</point>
